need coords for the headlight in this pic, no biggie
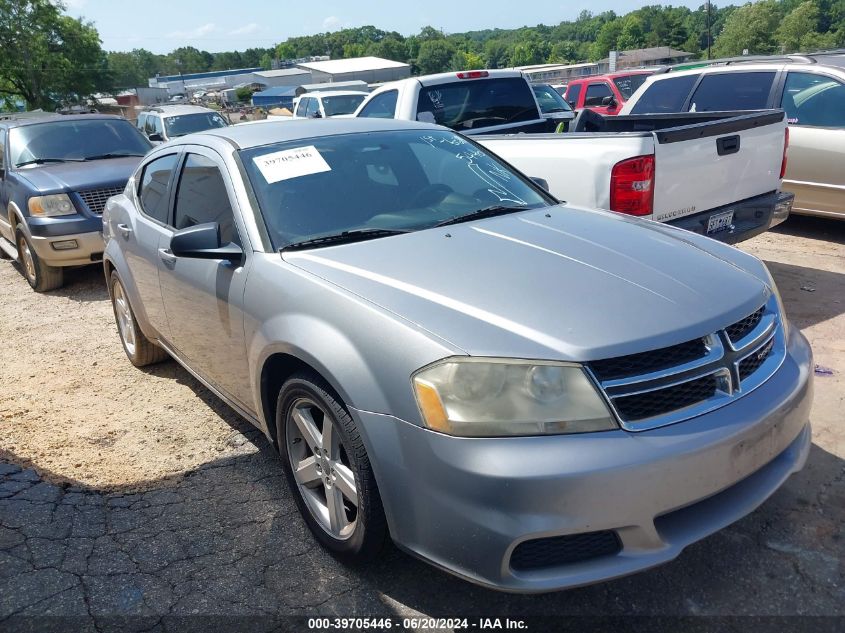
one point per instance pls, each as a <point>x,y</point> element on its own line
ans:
<point>490,397</point>
<point>771,283</point>
<point>46,206</point>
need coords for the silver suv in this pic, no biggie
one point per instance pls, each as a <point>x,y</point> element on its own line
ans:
<point>529,395</point>
<point>166,122</point>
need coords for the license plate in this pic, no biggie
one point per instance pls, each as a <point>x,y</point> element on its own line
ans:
<point>719,221</point>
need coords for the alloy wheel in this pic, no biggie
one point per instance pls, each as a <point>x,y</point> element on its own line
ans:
<point>322,468</point>
<point>26,258</point>
<point>125,322</point>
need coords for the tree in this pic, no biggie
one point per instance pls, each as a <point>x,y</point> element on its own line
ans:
<point>47,57</point>
<point>750,27</point>
<point>434,56</point>
<point>495,54</point>
<point>244,93</point>
<point>799,30</point>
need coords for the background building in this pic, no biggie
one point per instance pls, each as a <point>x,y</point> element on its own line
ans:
<point>366,69</point>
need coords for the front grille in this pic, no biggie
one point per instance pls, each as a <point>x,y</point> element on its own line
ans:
<point>743,327</point>
<point>660,401</point>
<point>751,364</point>
<point>95,199</point>
<point>672,384</point>
<point>561,550</point>
<point>646,362</point>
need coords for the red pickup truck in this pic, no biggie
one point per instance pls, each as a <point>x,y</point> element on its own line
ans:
<point>605,94</point>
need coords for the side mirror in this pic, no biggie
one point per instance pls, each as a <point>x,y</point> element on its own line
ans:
<point>541,182</point>
<point>202,241</point>
<point>609,102</point>
<point>156,137</point>
<point>317,115</point>
<point>572,104</point>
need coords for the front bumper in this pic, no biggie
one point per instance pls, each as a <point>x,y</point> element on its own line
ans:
<point>465,504</point>
<point>750,217</point>
<point>89,248</point>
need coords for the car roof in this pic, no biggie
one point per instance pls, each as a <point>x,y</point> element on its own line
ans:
<point>176,110</point>
<point>52,117</point>
<point>616,75</point>
<point>271,132</point>
<point>333,93</point>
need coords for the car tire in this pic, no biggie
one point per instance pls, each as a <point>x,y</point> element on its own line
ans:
<point>355,532</point>
<point>39,275</point>
<point>139,349</point>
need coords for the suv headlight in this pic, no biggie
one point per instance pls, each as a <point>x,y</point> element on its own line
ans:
<point>48,206</point>
<point>492,397</point>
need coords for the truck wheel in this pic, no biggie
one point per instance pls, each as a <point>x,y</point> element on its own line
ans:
<point>39,275</point>
<point>328,470</point>
<point>140,350</point>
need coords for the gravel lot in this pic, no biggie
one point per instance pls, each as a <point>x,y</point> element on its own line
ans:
<point>136,493</point>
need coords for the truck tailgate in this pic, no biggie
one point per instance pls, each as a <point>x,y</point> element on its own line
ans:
<point>708,165</point>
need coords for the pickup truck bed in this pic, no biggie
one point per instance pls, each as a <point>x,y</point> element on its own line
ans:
<point>715,173</point>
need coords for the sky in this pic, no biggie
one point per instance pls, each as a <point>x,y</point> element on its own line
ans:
<point>225,25</point>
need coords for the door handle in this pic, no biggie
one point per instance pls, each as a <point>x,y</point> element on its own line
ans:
<point>727,145</point>
<point>166,256</point>
<point>124,230</point>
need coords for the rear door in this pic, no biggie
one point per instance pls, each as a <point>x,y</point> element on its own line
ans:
<point>815,108</point>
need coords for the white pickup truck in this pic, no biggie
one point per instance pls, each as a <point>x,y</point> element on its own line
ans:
<point>714,173</point>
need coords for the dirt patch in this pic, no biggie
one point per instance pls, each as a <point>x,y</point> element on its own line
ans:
<point>75,409</point>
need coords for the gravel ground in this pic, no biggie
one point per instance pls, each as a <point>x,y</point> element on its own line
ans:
<point>137,494</point>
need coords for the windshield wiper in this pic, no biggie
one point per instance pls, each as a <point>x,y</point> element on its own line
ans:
<point>41,161</point>
<point>486,212</point>
<point>345,237</point>
<point>112,155</point>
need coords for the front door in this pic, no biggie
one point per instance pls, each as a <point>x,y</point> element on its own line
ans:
<point>203,298</point>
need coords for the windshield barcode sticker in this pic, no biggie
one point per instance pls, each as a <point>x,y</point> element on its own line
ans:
<point>291,163</point>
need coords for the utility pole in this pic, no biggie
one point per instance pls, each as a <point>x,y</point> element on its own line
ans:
<point>709,39</point>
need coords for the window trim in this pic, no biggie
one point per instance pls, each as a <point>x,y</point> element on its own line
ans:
<point>177,152</point>
<point>220,163</point>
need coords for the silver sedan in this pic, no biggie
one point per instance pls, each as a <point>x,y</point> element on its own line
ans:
<point>528,395</point>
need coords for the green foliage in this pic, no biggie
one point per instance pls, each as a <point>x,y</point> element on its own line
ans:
<point>434,56</point>
<point>244,93</point>
<point>751,27</point>
<point>46,57</point>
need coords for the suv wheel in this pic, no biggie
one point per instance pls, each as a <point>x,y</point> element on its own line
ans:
<point>140,350</point>
<point>328,470</point>
<point>39,275</point>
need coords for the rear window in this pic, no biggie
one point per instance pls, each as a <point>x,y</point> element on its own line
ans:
<point>628,85</point>
<point>732,91</point>
<point>665,95</point>
<point>473,104</point>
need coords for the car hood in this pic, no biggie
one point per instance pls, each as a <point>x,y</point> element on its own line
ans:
<point>558,283</point>
<point>60,177</point>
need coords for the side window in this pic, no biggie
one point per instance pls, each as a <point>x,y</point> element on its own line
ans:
<point>382,106</point>
<point>157,125</point>
<point>153,191</point>
<point>732,91</point>
<point>572,94</point>
<point>814,100</point>
<point>2,147</point>
<point>300,107</point>
<point>202,197</point>
<point>596,94</point>
<point>312,107</point>
<point>665,95</point>
<point>142,119</point>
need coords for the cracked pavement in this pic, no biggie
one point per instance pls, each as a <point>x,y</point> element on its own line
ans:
<point>224,538</point>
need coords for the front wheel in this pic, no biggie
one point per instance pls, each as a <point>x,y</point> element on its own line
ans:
<point>328,470</point>
<point>40,276</point>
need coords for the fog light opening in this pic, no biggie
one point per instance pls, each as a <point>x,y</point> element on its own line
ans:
<point>64,245</point>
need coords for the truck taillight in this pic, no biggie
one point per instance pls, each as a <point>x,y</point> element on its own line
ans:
<point>632,186</point>
<point>473,74</point>
<point>785,147</point>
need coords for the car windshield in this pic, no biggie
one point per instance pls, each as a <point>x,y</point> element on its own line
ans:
<point>74,139</point>
<point>550,100</point>
<point>628,85</point>
<point>390,181</point>
<point>183,124</point>
<point>342,104</point>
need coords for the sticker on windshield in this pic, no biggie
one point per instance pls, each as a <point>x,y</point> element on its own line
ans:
<point>291,163</point>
